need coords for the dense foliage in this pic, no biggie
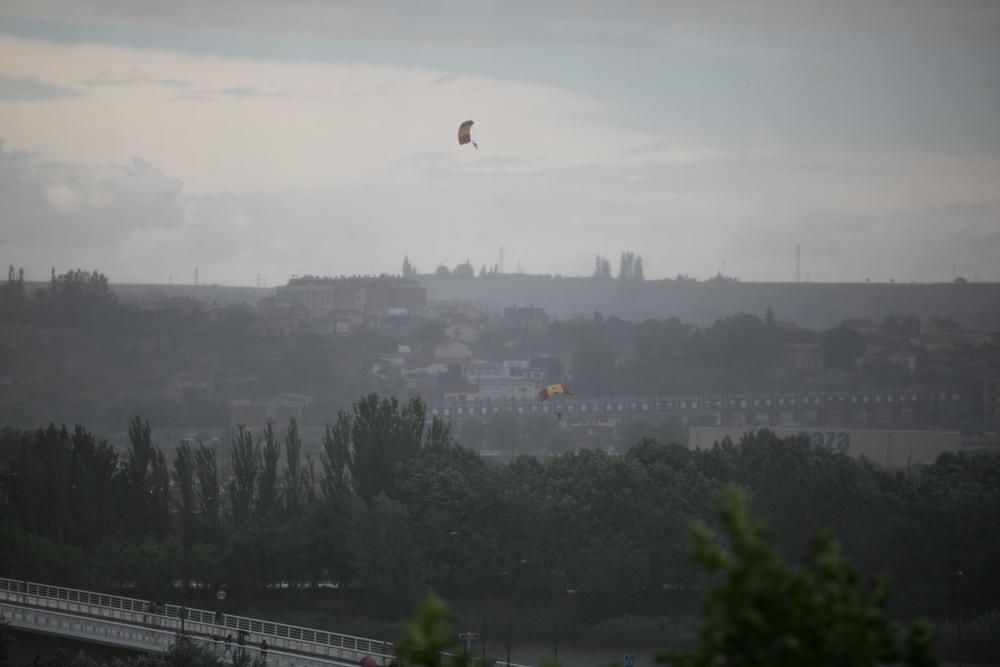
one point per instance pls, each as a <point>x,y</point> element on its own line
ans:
<point>392,508</point>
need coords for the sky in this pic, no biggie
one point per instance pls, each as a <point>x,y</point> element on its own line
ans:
<point>258,140</point>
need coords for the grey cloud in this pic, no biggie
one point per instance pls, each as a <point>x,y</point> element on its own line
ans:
<point>49,203</point>
<point>230,93</point>
<point>30,89</point>
<point>131,78</point>
<point>574,21</point>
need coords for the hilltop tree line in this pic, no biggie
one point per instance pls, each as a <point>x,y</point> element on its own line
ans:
<point>393,506</point>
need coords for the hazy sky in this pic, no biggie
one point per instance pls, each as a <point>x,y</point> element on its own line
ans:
<point>145,138</point>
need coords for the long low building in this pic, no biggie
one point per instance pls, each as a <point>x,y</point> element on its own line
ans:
<point>889,448</point>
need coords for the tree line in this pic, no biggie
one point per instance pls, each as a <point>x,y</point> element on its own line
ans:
<point>393,505</point>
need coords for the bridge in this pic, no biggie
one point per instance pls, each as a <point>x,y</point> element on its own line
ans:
<point>137,624</point>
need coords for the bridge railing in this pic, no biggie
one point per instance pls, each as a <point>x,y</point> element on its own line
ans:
<point>145,638</point>
<point>201,624</point>
<point>210,623</point>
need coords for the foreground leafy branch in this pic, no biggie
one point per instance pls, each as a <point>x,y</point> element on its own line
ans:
<point>762,611</point>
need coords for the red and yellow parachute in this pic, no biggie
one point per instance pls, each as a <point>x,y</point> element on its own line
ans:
<point>554,390</point>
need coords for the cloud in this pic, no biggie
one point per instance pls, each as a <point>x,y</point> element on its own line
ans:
<point>585,22</point>
<point>31,89</point>
<point>132,78</point>
<point>49,204</point>
<point>230,93</point>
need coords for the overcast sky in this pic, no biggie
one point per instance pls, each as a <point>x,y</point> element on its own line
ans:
<point>144,138</point>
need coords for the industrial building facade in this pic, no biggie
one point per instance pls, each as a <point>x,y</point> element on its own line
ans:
<point>374,296</point>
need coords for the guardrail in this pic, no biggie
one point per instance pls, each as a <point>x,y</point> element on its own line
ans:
<point>135,615</point>
<point>143,638</point>
<point>176,618</point>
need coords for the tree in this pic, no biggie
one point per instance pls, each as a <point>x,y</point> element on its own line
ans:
<point>372,447</point>
<point>148,482</point>
<point>243,486</point>
<point>12,296</point>
<point>630,267</point>
<point>295,473</point>
<point>602,267</point>
<point>267,484</point>
<point>184,480</point>
<point>762,611</point>
<point>207,475</point>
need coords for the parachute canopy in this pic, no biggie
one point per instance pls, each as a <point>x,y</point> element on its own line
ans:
<point>554,390</point>
<point>465,133</point>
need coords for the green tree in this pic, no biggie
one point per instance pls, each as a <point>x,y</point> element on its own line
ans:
<point>184,482</point>
<point>428,638</point>
<point>372,446</point>
<point>762,611</point>
<point>246,469</point>
<point>295,472</point>
<point>148,482</point>
<point>207,475</point>
<point>267,482</point>
<point>602,268</point>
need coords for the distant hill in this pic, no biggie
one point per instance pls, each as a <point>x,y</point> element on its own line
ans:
<point>811,305</point>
